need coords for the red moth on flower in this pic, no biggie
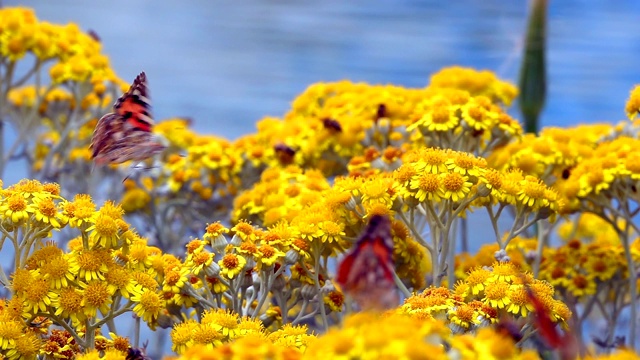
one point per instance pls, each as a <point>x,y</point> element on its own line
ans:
<point>125,134</point>
<point>366,273</point>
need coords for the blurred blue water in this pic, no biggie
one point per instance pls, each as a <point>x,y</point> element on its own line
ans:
<point>226,64</point>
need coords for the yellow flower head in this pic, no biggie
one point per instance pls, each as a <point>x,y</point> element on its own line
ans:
<point>149,305</point>
<point>80,210</point>
<point>633,104</point>
<point>268,255</point>
<point>231,265</point>
<point>225,322</point>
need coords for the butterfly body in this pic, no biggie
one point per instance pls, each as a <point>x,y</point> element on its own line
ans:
<point>125,134</point>
<point>366,273</point>
<point>137,354</point>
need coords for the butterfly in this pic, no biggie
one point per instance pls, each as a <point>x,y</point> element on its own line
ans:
<point>566,344</point>
<point>366,273</point>
<point>138,353</point>
<point>125,134</point>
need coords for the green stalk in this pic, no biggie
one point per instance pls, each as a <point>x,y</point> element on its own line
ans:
<point>533,77</point>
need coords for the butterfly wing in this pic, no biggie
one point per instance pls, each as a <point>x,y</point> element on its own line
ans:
<point>366,272</point>
<point>134,106</point>
<point>125,134</point>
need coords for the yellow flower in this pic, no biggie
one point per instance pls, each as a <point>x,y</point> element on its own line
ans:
<point>268,254</point>
<point>104,231</point>
<point>135,199</point>
<point>174,281</point>
<point>430,160</point>
<point>439,115</point>
<point>27,346</point>
<point>96,296</point>
<point>533,193</point>
<point>199,261</point>
<point>120,280</point>
<point>223,321</point>
<point>144,280</point>
<point>14,208</point>
<point>69,304</point>
<point>46,211</point>
<point>90,264</point>
<point>504,272</point>
<point>633,104</point>
<point>181,336</point>
<point>477,279</point>
<point>581,285</point>
<point>496,294</point>
<point>80,210</point>
<point>428,187</point>
<point>463,316</point>
<point>38,296</point>
<point>148,306</point>
<point>244,231</point>
<point>465,164</point>
<point>10,331</point>
<point>89,355</point>
<point>205,334</point>
<point>454,186</point>
<point>249,325</point>
<point>520,304</point>
<point>376,191</point>
<point>331,231</point>
<point>478,116</point>
<point>292,336</point>
<point>231,265</point>
<point>214,235</point>
<point>335,300</point>
<point>217,286</point>
<point>58,271</point>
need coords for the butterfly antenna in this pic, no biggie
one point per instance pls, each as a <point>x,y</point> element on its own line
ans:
<point>131,172</point>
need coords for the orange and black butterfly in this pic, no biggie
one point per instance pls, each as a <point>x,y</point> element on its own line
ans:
<point>367,272</point>
<point>125,134</point>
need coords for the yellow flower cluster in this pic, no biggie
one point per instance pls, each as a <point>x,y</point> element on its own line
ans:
<point>332,124</point>
<point>370,336</point>
<point>210,166</point>
<point>221,333</point>
<point>324,217</point>
<point>17,340</point>
<point>281,194</point>
<point>484,296</point>
<point>519,252</point>
<point>584,269</point>
<point>591,259</point>
<point>78,53</point>
<point>81,88</point>
<point>614,167</point>
<point>83,288</point>
<point>553,153</point>
<point>477,83</point>
<point>437,175</point>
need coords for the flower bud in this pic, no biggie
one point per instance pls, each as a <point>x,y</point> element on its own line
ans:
<point>501,256</point>
<point>213,270</point>
<point>219,243</point>
<point>308,292</point>
<point>483,190</point>
<point>291,257</point>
